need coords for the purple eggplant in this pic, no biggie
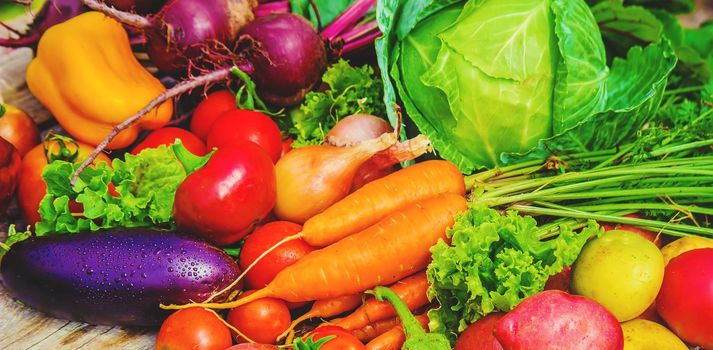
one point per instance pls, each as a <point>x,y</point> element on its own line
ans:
<point>116,277</point>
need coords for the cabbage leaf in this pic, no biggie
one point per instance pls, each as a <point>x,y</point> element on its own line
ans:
<point>492,81</point>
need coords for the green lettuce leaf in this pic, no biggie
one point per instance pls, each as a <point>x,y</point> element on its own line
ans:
<point>145,183</point>
<point>494,262</point>
<point>351,90</point>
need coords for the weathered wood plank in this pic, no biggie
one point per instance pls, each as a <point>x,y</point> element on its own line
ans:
<point>24,328</point>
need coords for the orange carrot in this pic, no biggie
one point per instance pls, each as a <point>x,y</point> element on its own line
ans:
<point>370,204</point>
<point>395,338</point>
<point>379,198</point>
<point>375,329</point>
<point>327,308</point>
<point>412,290</point>
<point>396,247</point>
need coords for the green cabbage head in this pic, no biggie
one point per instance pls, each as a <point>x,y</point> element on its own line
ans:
<point>487,80</point>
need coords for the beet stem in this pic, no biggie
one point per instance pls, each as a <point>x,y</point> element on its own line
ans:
<point>359,31</point>
<point>179,89</point>
<point>131,19</point>
<point>347,18</point>
<point>357,44</point>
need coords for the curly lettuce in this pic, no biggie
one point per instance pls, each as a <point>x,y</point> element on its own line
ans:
<point>493,262</point>
<point>351,90</point>
<point>144,189</point>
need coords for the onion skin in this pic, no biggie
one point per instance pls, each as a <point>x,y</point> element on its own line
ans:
<point>179,32</point>
<point>291,60</point>
<point>312,178</point>
<point>356,128</point>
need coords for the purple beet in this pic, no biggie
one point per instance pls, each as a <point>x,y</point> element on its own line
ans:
<point>117,277</point>
<point>293,57</point>
<point>187,33</point>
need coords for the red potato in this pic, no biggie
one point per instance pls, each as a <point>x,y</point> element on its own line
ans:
<point>262,320</point>
<point>212,107</point>
<point>685,301</point>
<point>193,329</point>
<point>285,255</point>
<point>557,320</point>
<point>479,335</point>
<point>244,125</point>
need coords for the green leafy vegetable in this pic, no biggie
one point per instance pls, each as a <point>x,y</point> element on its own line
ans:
<point>494,262</point>
<point>328,10</point>
<point>13,236</point>
<point>145,183</point>
<point>351,90</point>
<point>310,344</point>
<point>489,79</point>
<point>416,337</point>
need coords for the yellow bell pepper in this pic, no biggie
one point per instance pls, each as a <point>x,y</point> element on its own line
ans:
<point>86,75</point>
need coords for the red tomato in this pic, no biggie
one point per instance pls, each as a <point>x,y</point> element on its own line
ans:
<point>225,200</point>
<point>194,328</point>
<point>9,171</point>
<point>651,236</point>
<point>239,125</point>
<point>285,255</point>
<point>286,146</point>
<point>262,320</point>
<point>685,300</point>
<point>344,340</point>
<point>167,136</point>
<point>479,335</point>
<point>252,346</point>
<point>209,110</point>
<point>19,129</point>
<point>31,187</point>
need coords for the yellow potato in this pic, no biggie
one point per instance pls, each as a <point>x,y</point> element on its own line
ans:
<point>621,271</point>
<point>683,245</point>
<point>647,335</point>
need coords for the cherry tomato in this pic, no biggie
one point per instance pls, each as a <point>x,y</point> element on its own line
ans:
<point>194,328</point>
<point>18,128</point>
<point>649,235</point>
<point>344,340</point>
<point>239,125</point>
<point>209,110</point>
<point>262,320</point>
<point>479,335</point>
<point>167,136</point>
<point>32,188</point>
<point>685,300</point>
<point>9,170</point>
<point>284,255</point>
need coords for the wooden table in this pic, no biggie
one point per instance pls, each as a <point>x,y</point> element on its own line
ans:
<point>24,328</point>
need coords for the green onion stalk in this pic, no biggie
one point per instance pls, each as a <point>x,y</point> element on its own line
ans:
<point>670,185</point>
